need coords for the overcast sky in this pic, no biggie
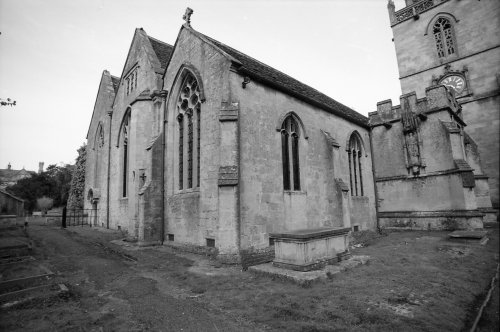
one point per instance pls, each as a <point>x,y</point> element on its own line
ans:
<point>53,52</point>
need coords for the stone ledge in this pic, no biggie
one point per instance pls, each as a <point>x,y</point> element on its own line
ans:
<point>429,214</point>
<point>310,234</point>
<point>317,265</point>
<point>306,278</point>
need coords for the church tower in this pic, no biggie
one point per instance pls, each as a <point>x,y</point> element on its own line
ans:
<point>455,43</point>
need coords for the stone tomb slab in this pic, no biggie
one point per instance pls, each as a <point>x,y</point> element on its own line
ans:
<point>308,277</point>
<point>469,237</point>
<point>310,249</point>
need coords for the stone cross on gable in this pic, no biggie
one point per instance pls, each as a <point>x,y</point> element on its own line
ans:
<point>187,16</point>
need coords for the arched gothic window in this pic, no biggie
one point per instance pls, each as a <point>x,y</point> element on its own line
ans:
<point>290,134</point>
<point>125,134</point>
<point>189,124</point>
<point>444,37</point>
<point>98,147</point>
<point>100,137</point>
<point>356,167</point>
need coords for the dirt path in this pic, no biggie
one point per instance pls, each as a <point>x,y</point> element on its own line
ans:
<point>110,292</point>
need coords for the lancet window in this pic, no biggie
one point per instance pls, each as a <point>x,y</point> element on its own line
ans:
<point>356,166</point>
<point>131,81</point>
<point>100,137</point>
<point>444,37</point>
<point>290,135</point>
<point>125,137</point>
<point>189,130</point>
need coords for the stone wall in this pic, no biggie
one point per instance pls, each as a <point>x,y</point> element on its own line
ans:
<point>477,27</point>
<point>124,211</point>
<point>443,188</point>
<point>96,160</point>
<point>192,215</point>
<point>264,206</point>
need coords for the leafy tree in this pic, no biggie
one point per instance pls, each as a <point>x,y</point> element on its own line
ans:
<point>54,183</point>
<point>29,189</point>
<point>61,175</point>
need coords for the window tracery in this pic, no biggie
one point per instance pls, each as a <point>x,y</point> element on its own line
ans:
<point>125,157</point>
<point>189,110</point>
<point>290,134</point>
<point>355,155</point>
<point>444,37</point>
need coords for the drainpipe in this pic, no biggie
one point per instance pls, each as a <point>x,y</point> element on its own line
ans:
<point>374,179</point>
<point>110,114</point>
<point>163,94</point>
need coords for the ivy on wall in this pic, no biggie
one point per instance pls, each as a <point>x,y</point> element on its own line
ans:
<point>76,192</point>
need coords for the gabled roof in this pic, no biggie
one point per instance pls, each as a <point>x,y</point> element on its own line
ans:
<point>163,51</point>
<point>108,84</point>
<point>12,175</point>
<point>272,77</point>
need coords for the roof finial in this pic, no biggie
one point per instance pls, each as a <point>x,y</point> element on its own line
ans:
<point>187,16</point>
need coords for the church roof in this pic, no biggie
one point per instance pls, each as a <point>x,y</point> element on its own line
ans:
<point>163,51</point>
<point>280,81</point>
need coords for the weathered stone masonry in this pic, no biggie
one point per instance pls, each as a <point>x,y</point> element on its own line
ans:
<point>201,146</point>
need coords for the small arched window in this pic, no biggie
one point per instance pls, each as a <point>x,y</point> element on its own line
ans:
<point>356,167</point>
<point>100,137</point>
<point>290,134</point>
<point>189,123</point>
<point>444,37</point>
<point>125,138</point>
<point>98,147</point>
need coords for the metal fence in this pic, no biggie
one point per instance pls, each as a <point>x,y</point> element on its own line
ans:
<point>82,217</point>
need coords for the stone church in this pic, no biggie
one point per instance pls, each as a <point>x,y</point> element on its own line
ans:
<point>199,145</point>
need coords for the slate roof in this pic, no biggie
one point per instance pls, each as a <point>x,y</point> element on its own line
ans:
<point>116,82</point>
<point>163,51</point>
<point>280,81</point>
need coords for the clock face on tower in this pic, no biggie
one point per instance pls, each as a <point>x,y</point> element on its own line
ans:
<point>454,82</point>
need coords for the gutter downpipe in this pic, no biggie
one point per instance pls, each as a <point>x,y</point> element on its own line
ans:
<point>374,180</point>
<point>110,114</point>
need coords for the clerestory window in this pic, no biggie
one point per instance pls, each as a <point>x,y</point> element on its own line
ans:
<point>444,37</point>
<point>290,135</point>
<point>356,166</point>
<point>189,131</point>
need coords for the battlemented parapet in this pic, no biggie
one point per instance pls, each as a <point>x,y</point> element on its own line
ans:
<point>422,173</point>
<point>412,9</point>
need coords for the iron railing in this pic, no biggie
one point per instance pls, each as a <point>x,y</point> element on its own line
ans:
<point>82,217</point>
